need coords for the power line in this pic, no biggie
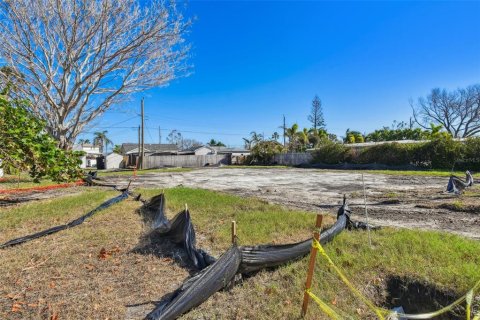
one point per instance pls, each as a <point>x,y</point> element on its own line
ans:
<point>149,134</point>
<point>170,129</point>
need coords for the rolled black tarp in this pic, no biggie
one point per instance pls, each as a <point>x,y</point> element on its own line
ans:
<point>71,224</point>
<point>200,287</point>
<point>179,231</point>
<point>457,185</point>
<point>153,213</point>
<point>255,258</point>
<point>244,260</point>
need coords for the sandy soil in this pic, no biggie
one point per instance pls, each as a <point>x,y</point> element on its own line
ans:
<point>392,200</point>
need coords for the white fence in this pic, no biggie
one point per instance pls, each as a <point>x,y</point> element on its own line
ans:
<point>293,159</point>
<point>185,160</point>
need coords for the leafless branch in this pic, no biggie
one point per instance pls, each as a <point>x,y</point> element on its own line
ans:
<point>79,57</point>
<point>457,111</point>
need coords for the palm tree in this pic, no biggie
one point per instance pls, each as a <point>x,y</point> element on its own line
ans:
<point>81,141</point>
<point>247,143</point>
<point>117,149</point>
<point>256,137</point>
<point>100,139</point>
<point>303,136</point>
<point>86,141</point>
<point>291,133</point>
<point>275,136</point>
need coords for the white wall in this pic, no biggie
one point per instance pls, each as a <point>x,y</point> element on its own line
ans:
<point>113,161</point>
<point>203,151</point>
<point>83,165</point>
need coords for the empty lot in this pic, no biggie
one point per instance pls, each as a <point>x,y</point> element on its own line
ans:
<point>392,200</point>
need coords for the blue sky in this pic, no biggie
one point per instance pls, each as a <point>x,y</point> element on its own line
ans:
<point>257,60</point>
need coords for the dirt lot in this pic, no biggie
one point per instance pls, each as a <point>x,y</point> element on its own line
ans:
<point>402,201</point>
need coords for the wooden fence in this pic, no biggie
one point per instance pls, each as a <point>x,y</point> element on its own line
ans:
<point>185,160</point>
<point>293,159</point>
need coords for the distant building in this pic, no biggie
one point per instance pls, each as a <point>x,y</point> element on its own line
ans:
<point>130,151</point>
<point>198,151</point>
<point>237,155</point>
<point>92,152</point>
<point>114,161</point>
<point>235,152</point>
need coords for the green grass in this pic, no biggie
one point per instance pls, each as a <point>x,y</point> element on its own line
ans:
<point>46,212</point>
<point>257,221</point>
<point>447,261</point>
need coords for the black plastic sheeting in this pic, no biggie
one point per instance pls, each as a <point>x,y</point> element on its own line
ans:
<point>179,231</point>
<point>92,179</point>
<point>200,287</point>
<point>266,256</point>
<point>457,185</point>
<point>71,224</point>
<point>237,260</point>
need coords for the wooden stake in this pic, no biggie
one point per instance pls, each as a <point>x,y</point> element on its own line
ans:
<point>366,212</point>
<point>234,232</point>
<point>311,264</point>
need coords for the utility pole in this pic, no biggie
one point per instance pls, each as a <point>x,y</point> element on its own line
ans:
<point>284,126</point>
<point>143,136</point>
<point>159,135</point>
<point>139,144</point>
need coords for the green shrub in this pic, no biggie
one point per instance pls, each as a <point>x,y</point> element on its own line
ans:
<point>392,154</point>
<point>439,153</point>
<point>24,145</point>
<point>442,151</point>
<point>331,153</point>
<point>471,157</point>
<point>263,152</point>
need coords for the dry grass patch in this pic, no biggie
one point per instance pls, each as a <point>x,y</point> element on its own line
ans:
<point>87,272</point>
<point>91,271</point>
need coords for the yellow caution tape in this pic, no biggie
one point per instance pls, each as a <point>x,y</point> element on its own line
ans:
<point>378,311</point>
<point>469,298</point>
<point>381,313</point>
<point>325,308</point>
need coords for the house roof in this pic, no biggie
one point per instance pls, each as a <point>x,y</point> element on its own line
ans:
<point>229,150</point>
<point>149,147</point>
<point>195,148</point>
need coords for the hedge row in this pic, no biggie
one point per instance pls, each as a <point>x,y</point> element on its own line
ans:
<point>439,153</point>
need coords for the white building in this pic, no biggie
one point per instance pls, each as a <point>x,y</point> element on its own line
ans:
<point>114,161</point>
<point>91,153</point>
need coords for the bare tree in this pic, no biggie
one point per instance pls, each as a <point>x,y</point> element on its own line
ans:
<point>175,137</point>
<point>457,111</point>
<point>77,58</point>
<point>190,143</point>
<point>316,114</point>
